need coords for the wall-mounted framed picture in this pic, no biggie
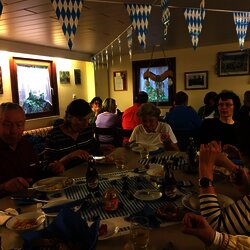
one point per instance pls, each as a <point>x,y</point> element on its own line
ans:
<point>77,74</point>
<point>120,80</point>
<point>64,77</point>
<point>196,80</point>
<point>1,81</point>
<point>233,63</point>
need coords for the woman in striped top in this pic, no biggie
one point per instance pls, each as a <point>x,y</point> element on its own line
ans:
<point>234,219</point>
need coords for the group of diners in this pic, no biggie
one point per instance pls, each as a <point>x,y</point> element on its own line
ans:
<point>72,141</point>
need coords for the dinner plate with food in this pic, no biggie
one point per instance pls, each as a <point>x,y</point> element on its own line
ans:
<point>53,184</point>
<point>26,221</point>
<point>192,202</point>
<point>155,171</point>
<point>107,229</point>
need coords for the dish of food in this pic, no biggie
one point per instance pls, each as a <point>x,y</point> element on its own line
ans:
<point>192,202</point>
<point>58,203</point>
<point>26,221</point>
<point>53,184</point>
<point>155,170</point>
<point>147,194</point>
<point>170,212</point>
<point>222,170</point>
<point>107,229</point>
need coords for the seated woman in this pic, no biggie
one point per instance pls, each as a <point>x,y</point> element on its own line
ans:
<point>151,132</point>
<point>224,127</point>
<point>73,140</point>
<point>107,119</point>
<point>96,106</point>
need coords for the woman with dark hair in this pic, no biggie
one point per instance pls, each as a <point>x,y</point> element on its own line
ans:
<point>209,109</point>
<point>96,106</point>
<point>223,128</point>
<point>73,140</point>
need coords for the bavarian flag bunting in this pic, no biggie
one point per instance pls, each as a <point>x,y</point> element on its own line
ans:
<point>241,20</point>
<point>1,7</point>
<point>194,18</point>
<point>165,17</point>
<point>139,14</point>
<point>68,13</point>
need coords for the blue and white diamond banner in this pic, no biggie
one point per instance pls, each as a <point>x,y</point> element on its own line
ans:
<point>139,14</point>
<point>241,20</point>
<point>194,18</point>
<point>68,13</point>
<point>165,17</point>
<point>1,7</point>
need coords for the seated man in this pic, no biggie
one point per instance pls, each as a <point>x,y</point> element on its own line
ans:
<point>18,159</point>
<point>129,118</point>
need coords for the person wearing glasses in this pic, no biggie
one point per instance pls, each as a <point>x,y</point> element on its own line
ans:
<point>96,106</point>
<point>19,164</point>
<point>224,127</point>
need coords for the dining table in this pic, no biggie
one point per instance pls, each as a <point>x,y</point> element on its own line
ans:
<point>168,236</point>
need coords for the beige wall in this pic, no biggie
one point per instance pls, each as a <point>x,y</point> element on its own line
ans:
<point>203,58</point>
<point>65,91</point>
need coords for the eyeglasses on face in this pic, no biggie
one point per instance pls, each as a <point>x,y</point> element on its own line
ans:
<point>227,105</point>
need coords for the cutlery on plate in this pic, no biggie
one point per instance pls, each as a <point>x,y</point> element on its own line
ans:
<point>37,187</point>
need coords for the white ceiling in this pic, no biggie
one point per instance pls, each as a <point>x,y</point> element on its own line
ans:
<point>101,22</point>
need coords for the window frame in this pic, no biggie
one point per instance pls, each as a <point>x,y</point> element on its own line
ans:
<point>53,83</point>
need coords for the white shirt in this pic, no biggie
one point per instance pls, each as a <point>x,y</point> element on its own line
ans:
<point>140,135</point>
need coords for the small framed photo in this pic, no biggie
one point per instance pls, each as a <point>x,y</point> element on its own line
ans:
<point>77,73</point>
<point>64,77</point>
<point>196,80</point>
<point>233,63</point>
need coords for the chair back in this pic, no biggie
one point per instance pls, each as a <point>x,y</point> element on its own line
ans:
<point>112,132</point>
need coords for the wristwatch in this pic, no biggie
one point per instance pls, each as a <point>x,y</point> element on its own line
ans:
<point>205,182</point>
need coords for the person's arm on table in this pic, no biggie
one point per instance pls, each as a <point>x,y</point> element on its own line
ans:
<point>232,219</point>
<point>198,226</point>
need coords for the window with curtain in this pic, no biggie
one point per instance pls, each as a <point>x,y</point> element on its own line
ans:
<point>34,86</point>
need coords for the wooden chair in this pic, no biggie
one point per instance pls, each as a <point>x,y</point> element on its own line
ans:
<point>107,131</point>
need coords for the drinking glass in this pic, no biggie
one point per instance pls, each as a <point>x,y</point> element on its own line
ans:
<point>120,163</point>
<point>139,232</point>
<point>144,153</point>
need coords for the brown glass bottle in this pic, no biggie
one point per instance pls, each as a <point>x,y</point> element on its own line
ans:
<point>92,178</point>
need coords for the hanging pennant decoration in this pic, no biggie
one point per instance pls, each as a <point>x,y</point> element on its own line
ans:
<point>120,48</point>
<point>1,7</point>
<point>139,14</point>
<point>68,13</point>
<point>107,57</point>
<point>165,17</point>
<point>241,20</point>
<point>194,18</point>
<point>130,41</point>
<point>112,54</point>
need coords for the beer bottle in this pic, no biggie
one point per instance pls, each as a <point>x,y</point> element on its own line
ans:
<point>92,178</point>
<point>192,153</point>
<point>169,182</point>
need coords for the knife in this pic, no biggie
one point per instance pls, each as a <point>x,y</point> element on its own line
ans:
<point>58,207</point>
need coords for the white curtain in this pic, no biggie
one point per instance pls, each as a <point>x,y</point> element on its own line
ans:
<point>34,79</point>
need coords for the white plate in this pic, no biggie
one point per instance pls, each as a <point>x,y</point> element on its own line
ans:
<point>35,218</point>
<point>112,229</point>
<point>147,195</point>
<point>59,202</point>
<point>192,202</point>
<point>155,170</point>
<point>53,184</point>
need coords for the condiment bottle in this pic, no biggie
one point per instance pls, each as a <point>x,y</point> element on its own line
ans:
<point>110,200</point>
<point>92,178</point>
<point>192,154</point>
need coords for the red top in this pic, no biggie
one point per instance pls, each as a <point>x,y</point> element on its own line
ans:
<point>129,118</point>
